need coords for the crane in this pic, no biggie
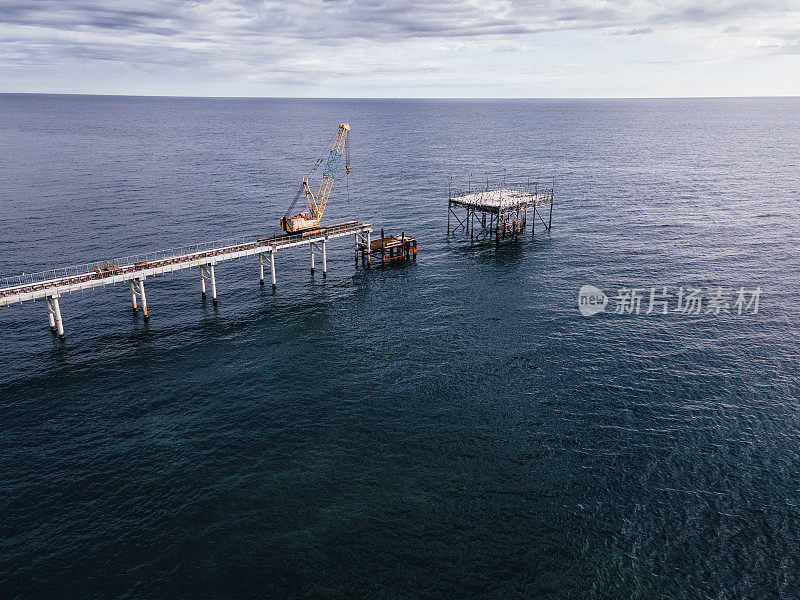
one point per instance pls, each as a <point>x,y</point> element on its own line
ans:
<point>310,217</point>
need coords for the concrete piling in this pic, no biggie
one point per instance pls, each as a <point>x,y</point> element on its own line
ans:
<point>133,294</point>
<point>213,284</point>
<point>50,311</point>
<point>142,296</point>
<point>272,266</point>
<point>57,316</point>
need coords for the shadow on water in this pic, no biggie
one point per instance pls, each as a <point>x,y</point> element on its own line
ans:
<point>506,252</point>
<point>59,351</point>
<point>277,321</point>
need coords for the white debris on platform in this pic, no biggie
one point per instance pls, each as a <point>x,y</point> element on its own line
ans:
<point>502,198</point>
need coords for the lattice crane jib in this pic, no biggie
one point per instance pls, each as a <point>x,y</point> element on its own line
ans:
<point>316,204</point>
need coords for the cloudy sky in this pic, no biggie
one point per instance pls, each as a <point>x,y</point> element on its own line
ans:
<point>384,48</point>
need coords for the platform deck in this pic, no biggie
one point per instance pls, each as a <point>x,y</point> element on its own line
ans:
<point>505,199</point>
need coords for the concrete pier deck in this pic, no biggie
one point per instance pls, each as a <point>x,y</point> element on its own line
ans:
<point>52,284</point>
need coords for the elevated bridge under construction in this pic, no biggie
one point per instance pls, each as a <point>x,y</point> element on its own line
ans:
<point>51,285</point>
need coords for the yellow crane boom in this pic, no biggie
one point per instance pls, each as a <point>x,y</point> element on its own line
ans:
<point>310,217</point>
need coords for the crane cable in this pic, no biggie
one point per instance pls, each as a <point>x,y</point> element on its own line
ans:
<point>300,190</point>
<point>347,166</point>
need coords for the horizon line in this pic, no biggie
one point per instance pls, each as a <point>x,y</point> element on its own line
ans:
<point>397,97</point>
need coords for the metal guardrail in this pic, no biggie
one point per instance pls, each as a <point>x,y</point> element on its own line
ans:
<point>519,197</point>
<point>529,186</point>
<point>81,269</point>
<point>157,258</point>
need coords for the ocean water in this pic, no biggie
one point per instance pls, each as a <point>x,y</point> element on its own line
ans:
<point>451,427</point>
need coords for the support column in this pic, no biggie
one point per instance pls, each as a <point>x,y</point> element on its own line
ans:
<point>133,294</point>
<point>142,296</point>
<point>261,268</point>
<point>311,248</point>
<point>272,266</point>
<point>57,316</point>
<point>213,284</point>
<point>324,259</point>
<point>369,249</point>
<point>449,210</point>
<point>472,227</point>
<point>203,281</point>
<point>550,222</point>
<point>50,316</point>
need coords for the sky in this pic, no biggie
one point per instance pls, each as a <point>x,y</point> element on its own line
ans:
<point>382,48</point>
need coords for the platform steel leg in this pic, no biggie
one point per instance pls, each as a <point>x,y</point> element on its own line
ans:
<point>324,259</point>
<point>261,268</point>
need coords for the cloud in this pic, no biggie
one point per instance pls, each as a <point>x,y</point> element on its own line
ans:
<point>337,20</point>
<point>263,40</point>
<point>82,16</point>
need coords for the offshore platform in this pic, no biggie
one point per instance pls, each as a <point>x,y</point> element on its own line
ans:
<point>501,212</point>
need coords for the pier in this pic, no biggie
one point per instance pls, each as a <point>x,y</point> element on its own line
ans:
<point>53,284</point>
<point>507,211</point>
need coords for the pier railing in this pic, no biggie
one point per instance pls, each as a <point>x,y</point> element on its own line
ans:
<point>535,187</point>
<point>27,279</point>
<point>10,286</point>
<point>50,285</point>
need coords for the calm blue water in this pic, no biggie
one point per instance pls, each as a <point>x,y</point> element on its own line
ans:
<point>450,428</point>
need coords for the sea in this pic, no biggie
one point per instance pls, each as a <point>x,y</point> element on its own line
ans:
<point>459,426</point>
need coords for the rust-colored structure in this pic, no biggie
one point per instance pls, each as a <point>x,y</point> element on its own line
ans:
<point>386,249</point>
